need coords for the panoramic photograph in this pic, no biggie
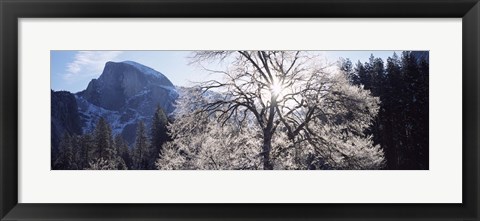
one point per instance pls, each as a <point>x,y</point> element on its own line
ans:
<point>239,110</point>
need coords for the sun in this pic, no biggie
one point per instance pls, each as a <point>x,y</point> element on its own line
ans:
<point>276,89</point>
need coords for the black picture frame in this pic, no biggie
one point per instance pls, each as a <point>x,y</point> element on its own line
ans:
<point>12,10</point>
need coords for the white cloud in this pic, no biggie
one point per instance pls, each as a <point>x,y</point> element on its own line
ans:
<point>89,63</point>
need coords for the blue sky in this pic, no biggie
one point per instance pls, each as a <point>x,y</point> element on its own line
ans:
<point>73,70</point>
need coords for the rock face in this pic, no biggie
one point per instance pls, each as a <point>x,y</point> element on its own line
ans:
<point>65,117</point>
<point>124,84</point>
<point>124,94</point>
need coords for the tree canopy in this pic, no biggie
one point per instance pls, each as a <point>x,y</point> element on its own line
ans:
<point>296,106</point>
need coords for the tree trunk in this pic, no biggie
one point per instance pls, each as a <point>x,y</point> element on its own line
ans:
<point>267,135</point>
<point>267,146</point>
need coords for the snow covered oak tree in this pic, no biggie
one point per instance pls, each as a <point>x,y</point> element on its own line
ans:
<point>201,142</point>
<point>272,110</point>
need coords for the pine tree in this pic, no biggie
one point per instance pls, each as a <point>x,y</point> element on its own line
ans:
<point>104,151</point>
<point>86,146</point>
<point>393,92</point>
<point>103,140</point>
<point>362,75</point>
<point>401,127</point>
<point>77,158</point>
<point>422,132</point>
<point>376,71</point>
<point>141,151</point>
<point>415,112</point>
<point>378,77</point>
<point>158,134</point>
<point>346,66</point>
<point>123,150</point>
<point>65,155</point>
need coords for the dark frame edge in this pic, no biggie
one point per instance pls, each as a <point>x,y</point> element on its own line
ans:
<point>9,111</point>
<point>471,92</point>
<point>240,8</point>
<point>11,210</point>
<point>471,50</point>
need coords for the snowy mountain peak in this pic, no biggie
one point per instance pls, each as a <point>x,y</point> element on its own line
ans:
<point>144,69</point>
<point>125,93</point>
<point>133,72</point>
